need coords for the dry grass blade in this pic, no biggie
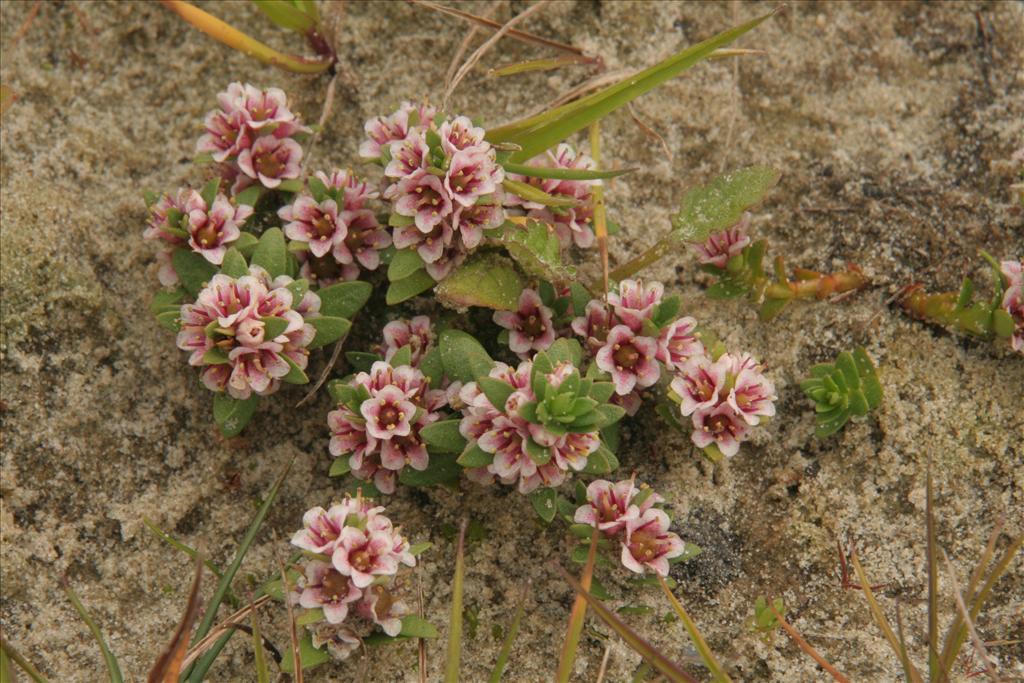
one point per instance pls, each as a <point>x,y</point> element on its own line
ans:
<point>220,629</point>
<point>806,647</point>
<point>703,650</point>
<point>933,581</point>
<point>293,630</point>
<point>522,36</point>
<point>510,637</point>
<point>422,645</point>
<point>577,615</point>
<point>531,65</point>
<point>603,669</point>
<point>258,651</point>
<point>979,644</point>
<point>467,40</point>
<point>665,666</point>
<point>883,624</point>
<point>648,131</point>
<point>25,665</point>
<point>488,44</point>
<point>451,667</point>
<point>326,373</point>
<point>168,665</point>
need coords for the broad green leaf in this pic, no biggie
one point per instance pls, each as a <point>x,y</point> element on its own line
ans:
<point>193,270</point>
<point>311,616</point>
<point>432,367</point>
<point>249,196</point>
<point>234,264</point>
<point>209,191</point>
<point>170,320</point>
<point>497,391</point>
<point>463,357</point>
<point>215,356</point>
<point>417,549</point>
<point>271,253</point>
<point>719,204</point>
<point>566,349</point>
<point>727,289</point>
<point>444,436</point>
<point>404,263</point>
<point>361,361</point>
<point>543,501</point>
<point>309,656</point>
<point>295,375</point>
<point>601,461</point>
<point>535,247</point>
<point>485,280</point>
<point>474,456</point>
<point>339,467</point>
<point>232,414</point>
<point>167,300</point>
<point>298,289</point>
<point>442,469</point>
<point>273,327</point>
<point>403,356</point>
<point>541,132</point>
<point>286,15</point>
<point>290,185</point>
<point>407,288</point>
<point>328,330</point>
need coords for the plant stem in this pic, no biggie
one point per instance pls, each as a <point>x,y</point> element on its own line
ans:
<point>717,672</point>
<point>806,647</point>
<point>660,249</point>
<point>578,614</point>
<point>451,669</point>
<point>810,284</point>
<point>25,665</point>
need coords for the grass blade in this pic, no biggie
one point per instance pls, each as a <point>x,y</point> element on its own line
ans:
<point>577,615</point>
<point>538,133</point>
<point>549,64</point>
<point>210,615</point>
<point>883,624</point>
<point>113,668</point>
<point>188,550</point>
<point>654,657</point>
<point>451,667</point>
<point>293,631</point>
<point>510,637</point>
<point>8,651</point>
<point>806,647</point>
<point>717,672</point>
<point>235,39</point>
<point>933,581</point>
<point>168,664</point>
<point>979,644</point>
<point>564,173</point>
<point>600,215</point>
<point>258,651</point>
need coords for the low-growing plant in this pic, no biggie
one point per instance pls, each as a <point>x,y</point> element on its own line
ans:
<point>842,389</point>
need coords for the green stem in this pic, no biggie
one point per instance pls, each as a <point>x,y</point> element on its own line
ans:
<point>8,650</point>
<point>717,672</point>
<point>653,254</point>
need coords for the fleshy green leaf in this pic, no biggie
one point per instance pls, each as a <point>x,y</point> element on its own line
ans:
<point>273,327</point>
<point>404,263</point>
<point>193,270</point>
<point>361,361</point>
<point>407,288</point>
<point>563,173</point>
<point>249,196</point>
<point>215,356</point>
<point>339,467</point>
<point>295,375</point>
<point>286,15</point>
<point>432,367</point>
<point>170,320</point>
<point>497,391</point>
<point>601,461</point>
<point>271,253</point>
<point>328,330</point>
<point>474,456</point>
<point>463,357</point>
<point>209,191</point>
<point>232,414</point>
<point>535,247</point>
<point>167,300</point>
<point>543,501</point>
<point>442,469</point>
<point>309,656</point>
<point>719,204</point>
<point>234,264</point>
<point>531,193</point>
<point>485,280</point>
<point>444,436</point>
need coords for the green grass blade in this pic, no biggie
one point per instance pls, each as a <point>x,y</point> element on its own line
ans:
<point>510,637</point>
<point>659,661</point>
<point>259,654</point>
<point>113,668</point>
<point>577,615</point>
<point>204,663</point>
<point>539,133</point>
<point>8,652</point>
<point>933,581</point>
<point>222,587</point>
<point>451,667</point>
<point>564,173</point>
<point>717,672</point>
<point>188,550</point>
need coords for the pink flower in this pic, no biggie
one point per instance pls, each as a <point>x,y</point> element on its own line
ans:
<point>1013,303</point>
<point>366,239</point>
<point>321,529</point>
<point>430,244</point>
<point>1014,273</point>
<point>471,175</point>
<point>165,218</point>
<point>649,544</point>
<point>630,359</point>
<point>608,506</point>
<point>363,555</point>
<point>752,395</point>
<point>572,224</point>
<point>271,160</point>
<point>388,414</point>
<point>530,327</point>
<point>315,223</point>
<point>460,134</point>
<point>698,384</point>
<point>356,192</point>
<point>593,325</point>
<point>212,229</point>
<point>721,426</point>
<point>379,607</point>
<point>341,640</point>
<point>422,196</point>
<point>471,221</point>
<point>722,246</point>
<point>635,302</point>
<point>407,157</point>
<point>384,130</point>
<point>417,334</point>
<point>324,587</point>
<point>450,259</point>
<point>677,343</point>
<point>269,109</point>
<point>226,135</point>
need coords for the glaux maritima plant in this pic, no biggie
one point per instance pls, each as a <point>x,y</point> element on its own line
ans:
<point>842,389</point>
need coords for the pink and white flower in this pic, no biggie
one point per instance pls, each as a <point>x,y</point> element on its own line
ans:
<point>648,543</point>
<point>422,196</point>
<point>271,160</point>
<point>678,342</point>
<point>379,607</point>
<point>722,426</point>
<point>459,134</point>
<point>315,223</point>
<point>326,588</point>
<point>384,130</point>
<point>212,229</point>
<point>417,334</point>
<point>630,359</point>
<point>356,192</point>
<point>472,175</point>
<point>593,325</point>
<point>635,301</point>
<point>722,246</point>
<point>530,326</point>
<point>752,395</point>
<point>364,554</point>
<point>341,640</point>
<point>609,506</point>
<point>227,134</point>
<point>698,384</point>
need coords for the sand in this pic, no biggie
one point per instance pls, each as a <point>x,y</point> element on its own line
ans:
<point>894,126</point>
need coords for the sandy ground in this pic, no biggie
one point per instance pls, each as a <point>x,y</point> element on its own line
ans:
<point>894,126</point>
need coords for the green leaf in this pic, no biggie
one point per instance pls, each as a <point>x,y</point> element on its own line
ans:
<point>541,132</point>
<point>566,349</point>
<point>719,204</point>
<point>232,414</point>
<point>610,414</point>
<point>298,288</point>
<point>474,456</point>
<point>602,391</point>
<point>295,375</point>
<point>486,280</point>
<point>318,189</point>
<point>339,467</point>
<point>290,185</point>
<point>531,193</point>
<point>271,253</point>
<point>1002,323</point>
<point>442,469</point>
<point>361,361</point>
<point>540,455</point>
<point>193,270</point>
<point>463,357</point>
<point>113,668</point>
<point>309,656</point>
<point>407,288</point>
<point>249,196</point>
<point>167,300</point>
<point>273,327</point>
<point>404,263</point>
<point>543,501</point>
<point>432,367</point>
<point>328,329</point>
<point>535,247</point>
<point>415,626</point>
<point>497,391</point>
<point>966,292</point>
<point>170,320</point>
<point>311,616</point>
<point>727,289</point>
<point>563,173</point>
<point>234,264</point>
<point>215,356</point>
<point>444,436</point>
<point>601,461</point>
<point>209,191</point>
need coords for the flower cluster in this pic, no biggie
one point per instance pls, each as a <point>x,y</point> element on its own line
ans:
<point>724,398</point>
<point>530,326</point>
<point>634,334</point>
<point>533,424</point>
<point>352,554</point>
<point>572,224</point>
<point>249,333</point>
<point>628,514</point>
<point>251,134</point>
<point>722,246</point>
<point>377,423</point>
<point>338,232</point>
<point>1013,300</point>
<point>443,183</point>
